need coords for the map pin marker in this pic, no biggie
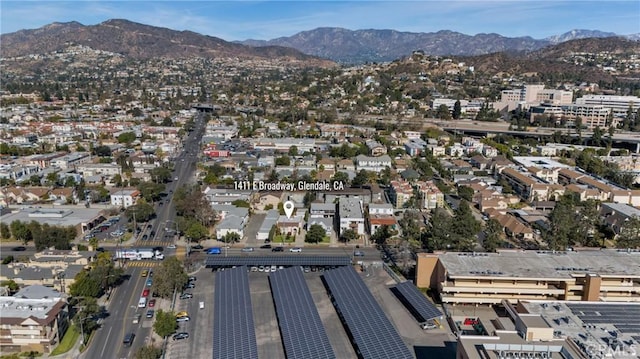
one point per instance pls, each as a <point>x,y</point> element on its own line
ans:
<point>288,208</point>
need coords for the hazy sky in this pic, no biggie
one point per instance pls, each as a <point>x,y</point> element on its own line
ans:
<point>240,20</point>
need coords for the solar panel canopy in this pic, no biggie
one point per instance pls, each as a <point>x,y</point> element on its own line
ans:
<point>616,314</point>
<point>234,335</point>
<point>373,335</point>
<point>303,334</point>
<point>217,260</point>
<point>420,305</point>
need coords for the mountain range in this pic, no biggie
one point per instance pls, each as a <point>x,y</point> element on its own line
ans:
<point>308,48</point>
<point>349,46</point>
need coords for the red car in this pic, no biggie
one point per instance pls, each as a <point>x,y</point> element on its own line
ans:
<point>145,293</point>
<point>152,303</point>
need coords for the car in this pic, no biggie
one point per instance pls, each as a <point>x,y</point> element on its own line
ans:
<point>144,238</point>
<point>19,249</point>
<point>176,178</point>
<point>197,246</point>
<point>128,339</point>
<point>358,254</point>
<point>261,269</point>
<point>254,269</point>
<point>190,285</point>
<point>153,233</point>
<point>136,318</point>
<point>145,273</point>
<point>265,246</point>
<point>426,326</point>
<point>150,313</point>
<point>201,305</point>
<point>306,269</point>
<point>295,250</point>
<point>274,268</point>
<point>247,249</point>
<point>192,279</point>
<point>182,319</point>
<point>145,293</point>
<point>179,336</point>
<point>149,282</point>
<point>182,314</point>
<point>171,246</point>
<point>152,303</point>
<point>186,296</point>
<point>161,203</point>
<point>277,249</point>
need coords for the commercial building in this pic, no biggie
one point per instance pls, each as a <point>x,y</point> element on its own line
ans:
<point>35,319</point>
<point>489,278</point>
<point>124,198</point>
<point>351,215</point>
<point>618,104</point>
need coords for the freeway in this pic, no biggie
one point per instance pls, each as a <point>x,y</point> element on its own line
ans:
<point>107,343</point>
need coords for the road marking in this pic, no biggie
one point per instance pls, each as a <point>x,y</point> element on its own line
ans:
<point>105,343</point>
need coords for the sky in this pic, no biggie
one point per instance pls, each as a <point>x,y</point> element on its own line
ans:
<point>264,20</point>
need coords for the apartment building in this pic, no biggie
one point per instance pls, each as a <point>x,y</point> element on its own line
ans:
<point>284,144</point>
<point>381,214</point>
<point>400,193</point>
<point>488,278</point>
<point>72,160</point>
<point>376,148</point>
<point>34,319</point>
<point>124,198</point>
<point>520,182</point>
<point>351,215</point>
<point>92,169</point>
<point>374,164</point>
<point>430,195</point>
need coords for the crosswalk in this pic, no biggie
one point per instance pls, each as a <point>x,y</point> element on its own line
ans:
<point>138,264</point>
<point>152,243</point>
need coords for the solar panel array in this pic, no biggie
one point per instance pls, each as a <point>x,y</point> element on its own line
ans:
<point>280,260</point>
<point>302,332</point>
<point>373,335</point>
<point>618,315</point>
<point>234,335</point>
<point>420,305</point>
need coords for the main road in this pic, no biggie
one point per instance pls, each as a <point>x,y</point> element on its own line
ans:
<point>123,304</point>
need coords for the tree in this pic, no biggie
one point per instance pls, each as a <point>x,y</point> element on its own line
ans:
<point>443,112</point>
<point>283,161</point>
<point>169,276</point>
<point>102,151</point>
<point>272,233</point>
<point>151,191</point>
<point>315,234</point>
<point>165,323</point>
<point>466,193</point>
<point>360,179</point>
<point>562,230</point>
<point>142,211</point>
<point>195,230</point>
<point>148,352</point>
<point>11,285</point>
<point>5,232</point>
<point>410,226</point>
<point>126,137</point>
<point>492,235</point>
<point>231,237</point>
<point>348,235</point>
<point>381,235</point>
<point>20,232</point>
<point>457,110</point>
<point>160,174</point>
<point>293,151</point>
<point>629,236</point>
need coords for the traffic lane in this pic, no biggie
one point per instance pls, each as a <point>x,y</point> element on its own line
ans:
<point>370,253</point>
<point>109,336</point>
<point>126,319</point>
<point>9,250</point>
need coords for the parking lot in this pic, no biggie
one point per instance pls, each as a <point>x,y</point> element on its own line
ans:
<point>425,343</point>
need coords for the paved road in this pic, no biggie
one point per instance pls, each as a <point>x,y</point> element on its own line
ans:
<point>8,250</point>
<point>107,343</point>
<point>370,253</point>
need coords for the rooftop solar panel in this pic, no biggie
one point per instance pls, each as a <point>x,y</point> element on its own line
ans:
<point>216,260</point>
<point>373,335</point>
<point>302,332</point>
<point>418,303</point>
<point>615,314</point>
<point>234,335</point>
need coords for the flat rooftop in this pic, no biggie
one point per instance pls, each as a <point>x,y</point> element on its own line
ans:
<point>539,162</point>
<point>52,216</point>
<point>509,344</point>
<point>542,264</point>
<point>22,308</point>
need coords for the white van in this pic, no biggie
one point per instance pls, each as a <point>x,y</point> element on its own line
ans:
<point>201,305</point>
<point>142,303</point>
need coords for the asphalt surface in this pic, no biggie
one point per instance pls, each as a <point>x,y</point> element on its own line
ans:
<point>107,342</point>
<point>8,250</point>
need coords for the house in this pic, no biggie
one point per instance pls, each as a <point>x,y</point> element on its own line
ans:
<point>71,160</point>
<point>345,165</point>
<point>325,222</point>
<point>512,226</point>
<point>375,148</point>
<point>63,195</point>
<point>327,164</point>
<point>233,220</point>
<point>322,210</point>
<point>479,162</point>
<point>34,319</point>
<point>456,150</point>
<point>378,220</point>
<point>267,199</point>
<point>124,197</point>
<point>291,226</point>
<point>270,220</point>
<point>380,208</point>
<point>351,215</point>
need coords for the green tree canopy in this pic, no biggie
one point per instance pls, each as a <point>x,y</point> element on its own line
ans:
<point>315,234</point>
<point>126,137</point>
<point>169,276</point>
<point>348,235</point>
<point>165,323</point>
<point>148,352</point>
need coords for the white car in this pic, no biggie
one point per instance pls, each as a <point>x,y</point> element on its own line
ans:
<point>295,250</point>
<point>171,246</point>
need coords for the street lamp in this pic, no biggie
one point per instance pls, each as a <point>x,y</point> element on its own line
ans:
<point>82,328</point>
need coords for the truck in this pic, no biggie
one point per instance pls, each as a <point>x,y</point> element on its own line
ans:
<point>138,254</point>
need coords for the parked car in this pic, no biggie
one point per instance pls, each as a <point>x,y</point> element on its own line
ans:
<point>358,253</point>
<point>183,319</point>
<point>149,282</point>
<point>277,249</point>
<point>136,319</point>
<point>192,279</point>
<point>152,303</point>
<point>150,313</point>
<point>179,336</point>
<point>182,314</point>
<point>295,250</point>
<point>190,285</point>
<point>197,246</point>
<point>145,293</point>
<point>186,296</point>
